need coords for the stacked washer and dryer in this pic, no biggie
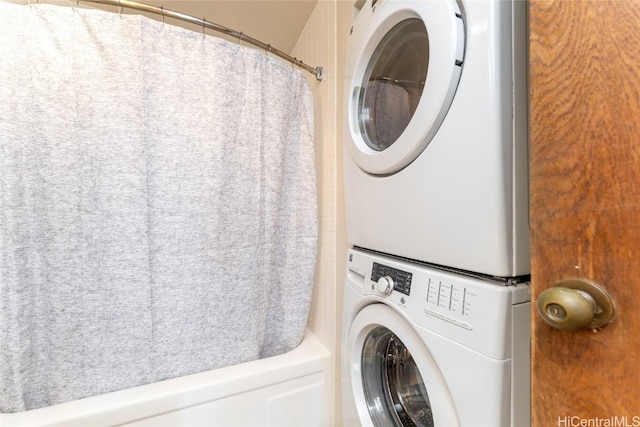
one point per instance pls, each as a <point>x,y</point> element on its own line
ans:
<point>436,324</point>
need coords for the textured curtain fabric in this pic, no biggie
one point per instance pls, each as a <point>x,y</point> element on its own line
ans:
<point>157,204</point>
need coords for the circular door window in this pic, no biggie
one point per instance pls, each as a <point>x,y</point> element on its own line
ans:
<point>393,83</point>
<point>393,377</point>
<point>404,63</point>
<point>394,389</point>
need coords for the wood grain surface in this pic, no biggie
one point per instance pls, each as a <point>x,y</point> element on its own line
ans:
<point>585,202</point>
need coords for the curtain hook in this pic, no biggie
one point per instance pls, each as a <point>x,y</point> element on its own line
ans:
<point>162,14</point>
<point>120,8</point>
<point>240,38</point>
<point>268,50</point>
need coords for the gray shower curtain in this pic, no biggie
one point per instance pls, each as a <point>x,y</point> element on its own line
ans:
<point>157,204</point>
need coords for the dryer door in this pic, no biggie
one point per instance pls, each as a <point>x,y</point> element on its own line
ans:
<point>394,379</point>
<point>403,66</point>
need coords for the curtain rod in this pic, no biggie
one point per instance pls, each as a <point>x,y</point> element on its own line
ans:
<point>317,71</point>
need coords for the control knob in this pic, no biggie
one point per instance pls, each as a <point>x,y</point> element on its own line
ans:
<point>384,285</point>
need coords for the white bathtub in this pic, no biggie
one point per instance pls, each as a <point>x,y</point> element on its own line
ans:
<point>287,390</point>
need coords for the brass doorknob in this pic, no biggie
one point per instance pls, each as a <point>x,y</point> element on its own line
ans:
<point>576,304</point>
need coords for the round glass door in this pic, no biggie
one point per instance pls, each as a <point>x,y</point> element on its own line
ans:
<point>404,63</point>
<point>394,380</point>
<point>394,390</point>
<point>393,83</point>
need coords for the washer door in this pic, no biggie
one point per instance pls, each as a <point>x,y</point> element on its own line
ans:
<point>394,379</point>
<point>403,68</point>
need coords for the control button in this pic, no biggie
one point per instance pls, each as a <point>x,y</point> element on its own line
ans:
<point>466,325</point>
<point>452,320</point>
<point>401,280</point>
<point>384,286</point>
<point>434,313</point>
<point>448,319</point>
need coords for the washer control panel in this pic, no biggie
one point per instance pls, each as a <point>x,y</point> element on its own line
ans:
<point>401,279</point>
<point>479,314</point>
<point>449,302</point>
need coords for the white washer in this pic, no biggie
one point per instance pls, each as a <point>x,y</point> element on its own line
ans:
<point>436,133</point>
<point>424,347</point>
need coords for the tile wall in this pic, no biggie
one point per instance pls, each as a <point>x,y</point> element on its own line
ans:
<point>315,47</point>
<point>323,42</point>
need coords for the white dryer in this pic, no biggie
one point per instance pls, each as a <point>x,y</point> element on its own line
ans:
<point>436,133</point>
<point>424,347</point>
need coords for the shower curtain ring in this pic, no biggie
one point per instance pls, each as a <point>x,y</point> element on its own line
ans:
<point>162,13</point>
<point>240,38</point>
<point>268,50</point>
<point>120,8</point>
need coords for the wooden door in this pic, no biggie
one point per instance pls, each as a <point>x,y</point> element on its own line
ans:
<point>585,204</point>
